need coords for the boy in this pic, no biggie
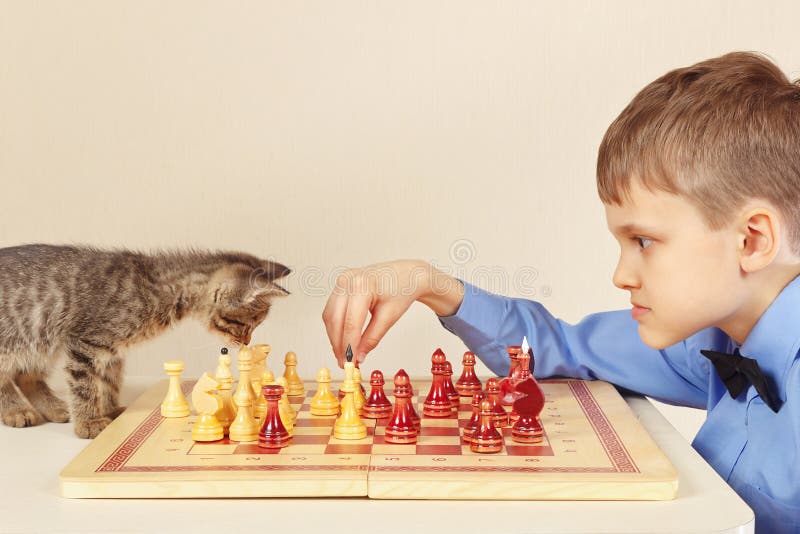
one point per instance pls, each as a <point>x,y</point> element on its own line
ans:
<point>700,178</point>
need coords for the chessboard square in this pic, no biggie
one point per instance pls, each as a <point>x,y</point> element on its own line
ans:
<point>252,449</point>
<point>312,430</point>
<point>441,431</point>
<point>430,422</point>
<point>438,450</point>
<point>391,449</point>
<point>321,421</point>
<point>310,439</point>
<point>439,440</point>
<point>213,448</point>
<point>336,448</point>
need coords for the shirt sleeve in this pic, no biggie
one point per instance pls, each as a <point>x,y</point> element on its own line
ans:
<point>604,346</point>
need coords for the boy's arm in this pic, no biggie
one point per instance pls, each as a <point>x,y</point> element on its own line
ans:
<point>603,346</point>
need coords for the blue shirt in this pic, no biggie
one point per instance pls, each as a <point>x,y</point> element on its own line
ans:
<point>756,450</point>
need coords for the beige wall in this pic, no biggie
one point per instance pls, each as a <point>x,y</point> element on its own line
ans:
<point>331,134</point>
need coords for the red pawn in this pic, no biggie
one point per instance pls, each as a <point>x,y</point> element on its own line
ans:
<point>437,403</point>
<point>486,438</point>
<point>273,435</point>
<point>493,396</point>
<point>474,422</point>
<point>401,428</point>
<point>377,405</point>
<point>455,398</point>
<point>469,383</point>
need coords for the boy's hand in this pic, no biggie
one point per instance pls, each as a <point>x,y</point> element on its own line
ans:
<point>386,291</point>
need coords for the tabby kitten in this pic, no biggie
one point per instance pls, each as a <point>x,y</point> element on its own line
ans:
<point>91,304</point>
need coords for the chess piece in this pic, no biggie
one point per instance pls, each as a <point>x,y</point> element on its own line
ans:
<point>273,435</point>
<point>468,383</point>
<point>486,439</point>
<point>455,398</point>
<point>401,428</point>
<point>174,404</point>
<point>359,399</point>
<point>260,353</point>
<point>507,383</point>
<point>244,426</point>
<point>265,349</point>
<point>294,383</point>
<point>223,375</point>
<point>349,425</point>
<point>474,422</point>
<point>206,404</point>
<point>287,413</point>
<point>349,357</point>
<point>437,403</point>
<point>493,396</point>
<point>377,405</point>
<point>530,401</point>
<point>324,401</point>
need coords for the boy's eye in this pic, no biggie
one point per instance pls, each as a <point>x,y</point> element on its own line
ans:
<point>643,242</point>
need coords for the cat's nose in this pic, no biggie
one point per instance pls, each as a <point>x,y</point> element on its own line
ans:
<point>246,339</point>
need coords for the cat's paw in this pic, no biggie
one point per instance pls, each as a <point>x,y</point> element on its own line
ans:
<point>116,412</point>
<point>56,414</point>
<point>90,428</point>
<point>22,417</point>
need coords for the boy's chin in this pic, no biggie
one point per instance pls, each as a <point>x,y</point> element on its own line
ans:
<point>656,339</point>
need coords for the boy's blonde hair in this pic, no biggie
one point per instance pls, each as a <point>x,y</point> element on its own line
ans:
<point>717,133</point>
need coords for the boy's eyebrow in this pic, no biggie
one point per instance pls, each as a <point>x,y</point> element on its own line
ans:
<point>632,228</point>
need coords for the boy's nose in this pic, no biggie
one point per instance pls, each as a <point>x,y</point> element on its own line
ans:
<point>624,278</point>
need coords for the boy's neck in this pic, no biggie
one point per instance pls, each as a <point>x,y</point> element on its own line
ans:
<point>763,288</point>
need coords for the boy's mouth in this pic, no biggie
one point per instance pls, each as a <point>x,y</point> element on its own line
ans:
<point>637,311</point>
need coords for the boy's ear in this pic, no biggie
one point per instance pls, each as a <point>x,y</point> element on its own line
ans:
<point>759,236</point>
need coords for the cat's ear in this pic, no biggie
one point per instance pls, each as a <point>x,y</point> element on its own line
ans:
<point>261,286</point>
<point>266,291</point>
<point>272,270</point>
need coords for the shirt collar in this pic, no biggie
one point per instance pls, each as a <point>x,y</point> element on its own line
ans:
<point>775,338</point>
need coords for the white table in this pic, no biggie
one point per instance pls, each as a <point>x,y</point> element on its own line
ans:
<point>32,458</point>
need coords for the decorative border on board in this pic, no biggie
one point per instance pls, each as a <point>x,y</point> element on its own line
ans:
<point>116,461</point>
<point>609,438</point>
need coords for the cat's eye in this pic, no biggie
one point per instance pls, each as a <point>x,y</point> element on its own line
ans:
<point>232,321</point>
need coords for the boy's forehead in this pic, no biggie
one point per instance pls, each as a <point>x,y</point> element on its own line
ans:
<point>646,211</point>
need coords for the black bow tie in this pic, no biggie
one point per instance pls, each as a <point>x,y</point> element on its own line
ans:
<point>736,371</point>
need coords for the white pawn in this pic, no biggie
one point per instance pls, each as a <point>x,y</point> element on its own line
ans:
<point>174,404</point>
<point>294,383</point>
<point>244,427</point>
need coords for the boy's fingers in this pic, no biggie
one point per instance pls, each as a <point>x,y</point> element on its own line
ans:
<point>355,317</point>
<point>333,317</point>
<point>383,318</point>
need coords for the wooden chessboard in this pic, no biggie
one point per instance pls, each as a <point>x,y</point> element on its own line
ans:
<point>593,448</point>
